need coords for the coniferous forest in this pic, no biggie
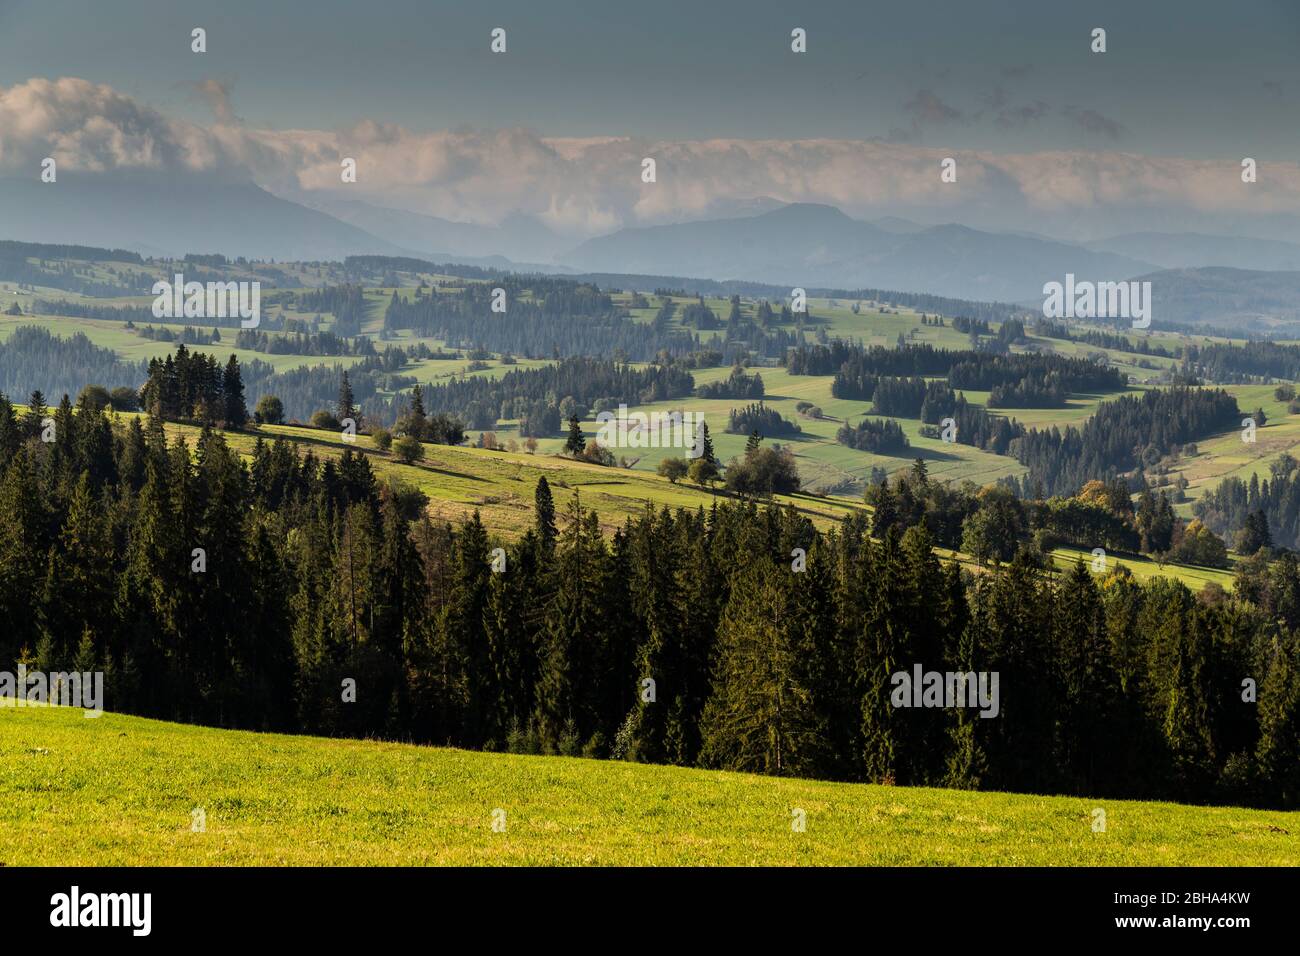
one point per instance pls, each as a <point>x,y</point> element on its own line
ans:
<point>255,594</point>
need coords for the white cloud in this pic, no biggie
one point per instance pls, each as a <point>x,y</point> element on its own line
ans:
<point>92,128</point>
<point>583,187</point>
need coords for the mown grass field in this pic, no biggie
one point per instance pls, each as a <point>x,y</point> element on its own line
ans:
<point>823,463</point>
<point>111,334</point>
<point>500,485</point>
<point>1144,569</point>
<point>122,791</point>
<point>1226,455</point>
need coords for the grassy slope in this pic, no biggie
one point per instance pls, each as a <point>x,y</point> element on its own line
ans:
<point>111,334</point>
<point>823,463</point>
<point>1144,569</point>
<point>120,790</point>
<point>500,485</point>
<point>1226,455</point>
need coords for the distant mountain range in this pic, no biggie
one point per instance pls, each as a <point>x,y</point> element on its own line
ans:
<point>1230,281</point>
<point>156,216</point>
<point>518,241</point>
<point>1193,250</point>
<point>813,245</point>
<point>1240,300</point>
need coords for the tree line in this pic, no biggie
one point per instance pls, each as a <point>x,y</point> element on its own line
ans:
<point>1123,436</point>
<point>33,358</point>
<point>1256,361</point>
<point>1014,380</point>
<point>741,638</point>
<point>991,524</point>
<point>1267,512</point>
<point>544,317</point>
<point>538,396</point>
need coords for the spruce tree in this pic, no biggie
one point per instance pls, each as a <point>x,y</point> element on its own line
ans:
<point>235,413</point>
<point>1087,681</point>
<point>510,631</point>
<point>346,407</point>
<point>36,411</point>
<point>575,443</point>
<point>544,505</point>
<point>465,619</point>
<point>1278,752</point>
<point>706,445</point>
<point>761,717</point>
<point>575,612</point>
<point>658,731</point>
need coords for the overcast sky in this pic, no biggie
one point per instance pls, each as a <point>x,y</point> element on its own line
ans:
<point>1195,78</point>
<point>449,128</point>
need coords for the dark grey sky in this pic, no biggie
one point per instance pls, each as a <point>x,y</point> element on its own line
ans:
<point>1195,78</point>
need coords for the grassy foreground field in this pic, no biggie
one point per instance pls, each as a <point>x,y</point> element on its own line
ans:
<point>122,790</point>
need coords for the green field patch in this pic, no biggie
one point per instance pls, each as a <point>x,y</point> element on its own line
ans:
<point>269,799</point>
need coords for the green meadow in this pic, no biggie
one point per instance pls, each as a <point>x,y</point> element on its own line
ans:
<point>500,483</point>
<point>119,791</point>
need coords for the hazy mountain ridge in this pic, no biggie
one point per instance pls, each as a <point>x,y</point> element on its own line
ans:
<point>1196,250</point>
<point>519,239</point>
<point>813,245</point>
<point>1239,299</point>
<point>175,216</point>
<point>802,244</point>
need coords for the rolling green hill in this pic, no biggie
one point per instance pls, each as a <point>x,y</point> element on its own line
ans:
<point>499,485</point>
<point>123,790</point>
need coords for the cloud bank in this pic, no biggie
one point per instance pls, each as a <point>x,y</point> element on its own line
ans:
<point>585,187</point>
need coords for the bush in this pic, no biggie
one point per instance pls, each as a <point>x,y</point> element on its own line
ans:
<point>1047,540</point>
<point>325,419</point>
<point>674,469</point>
<point>408,449</point>
<point>382,438</point>
<point>596,454</point>
<point>571,407</point>
<point>94,398</point>
<point>739,385</point>
<point>703,472</point>
<point>764,471</point>
<point>881,437</point>
<point>270,411</point>
<point>1200,546</point>
<point>1284,393</point>
<point>125,399</point>
<point>410,500</point>
<point>766,421</point>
